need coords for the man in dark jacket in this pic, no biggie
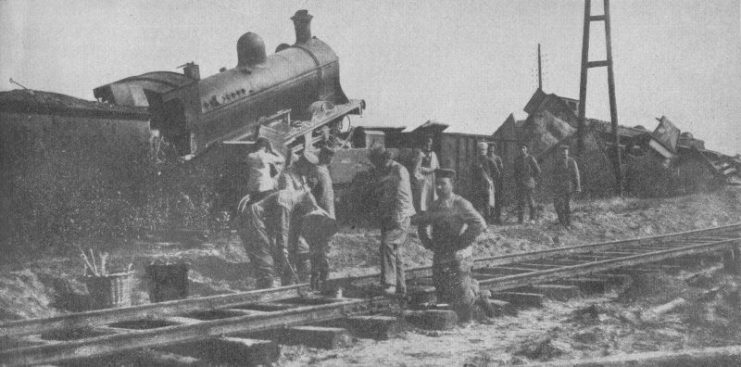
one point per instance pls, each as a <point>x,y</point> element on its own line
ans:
<point>566,181</point>
<point>485,172</point>
<point>527,171</point>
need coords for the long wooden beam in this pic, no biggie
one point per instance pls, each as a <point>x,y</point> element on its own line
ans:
<point>135,339</point>
<point>151,310</point>
<point>715,356</point>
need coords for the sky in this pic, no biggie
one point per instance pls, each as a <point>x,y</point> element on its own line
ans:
<point>467,63</point>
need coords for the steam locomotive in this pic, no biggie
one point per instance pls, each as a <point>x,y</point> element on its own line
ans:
<point>287,96</point>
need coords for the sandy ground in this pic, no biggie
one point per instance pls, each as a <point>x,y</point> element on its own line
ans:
<point>607,324</point>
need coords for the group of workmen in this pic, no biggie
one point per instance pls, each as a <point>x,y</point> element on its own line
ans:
<point>488,183</point>
<point>287,219</point>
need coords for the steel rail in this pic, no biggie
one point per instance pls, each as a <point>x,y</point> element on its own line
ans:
<point>426,271</point>
<point>151,310</point>
<point>135,339</point>
<point>524,279</point>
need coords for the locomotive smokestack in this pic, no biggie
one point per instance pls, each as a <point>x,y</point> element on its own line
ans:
<point>191,70</point>
<point>250,50</point>
<point>302,25</point>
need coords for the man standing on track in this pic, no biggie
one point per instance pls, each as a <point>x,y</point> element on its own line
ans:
<point>392,188</point>
<point>324,194</point>
<point>455,225</point>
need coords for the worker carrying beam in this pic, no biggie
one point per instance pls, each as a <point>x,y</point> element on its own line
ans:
<point>267,227</point>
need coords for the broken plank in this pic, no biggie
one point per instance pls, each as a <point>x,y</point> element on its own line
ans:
<point>155,358</point>
<point>716,356</point>
<point>431,319</point>
<point>317,337</point>
<point>374,326</point>
<point>234,351</point>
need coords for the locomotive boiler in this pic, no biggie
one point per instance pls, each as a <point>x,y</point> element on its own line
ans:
<point>299,84</point>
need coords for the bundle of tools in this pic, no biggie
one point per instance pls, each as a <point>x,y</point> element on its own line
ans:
<point>91,267</point>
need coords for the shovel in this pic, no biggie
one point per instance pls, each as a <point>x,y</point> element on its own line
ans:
<point>294,274</point>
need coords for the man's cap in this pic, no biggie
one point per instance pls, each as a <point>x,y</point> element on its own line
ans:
<point>445,173</point>
<point>482,145</point>
<point>563,147</point>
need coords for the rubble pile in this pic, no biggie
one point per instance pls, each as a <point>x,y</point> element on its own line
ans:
<point>659,163</point>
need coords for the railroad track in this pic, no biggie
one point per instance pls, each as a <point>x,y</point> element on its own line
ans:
<point>107,332</point>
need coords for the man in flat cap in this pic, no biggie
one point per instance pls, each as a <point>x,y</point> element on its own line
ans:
<point>485,171</point>
<point>527,171</point>
<point>566,180</point>
<point>393,191</point>
<point>449,229</point>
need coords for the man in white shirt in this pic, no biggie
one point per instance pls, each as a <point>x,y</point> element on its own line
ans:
<point>260,182</point>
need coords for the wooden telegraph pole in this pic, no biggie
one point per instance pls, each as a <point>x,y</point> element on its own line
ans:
<point>585,66</point>
<point>540,71</point>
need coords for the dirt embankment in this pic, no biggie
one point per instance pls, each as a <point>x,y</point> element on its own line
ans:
<point>586,327</point>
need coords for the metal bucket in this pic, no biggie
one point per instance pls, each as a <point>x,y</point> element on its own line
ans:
<point>167,282</point>
<point>113,290</point>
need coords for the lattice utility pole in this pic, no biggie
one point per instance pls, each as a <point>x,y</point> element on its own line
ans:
<point>585,65</point>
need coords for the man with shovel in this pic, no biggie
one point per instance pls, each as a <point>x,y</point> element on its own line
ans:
<point>267,227</point>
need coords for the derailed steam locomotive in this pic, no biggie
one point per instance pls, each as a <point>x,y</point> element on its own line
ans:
<point>287,97</point>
